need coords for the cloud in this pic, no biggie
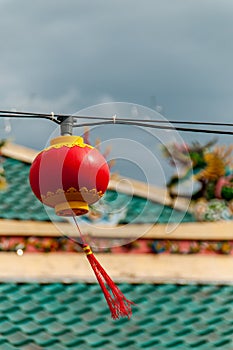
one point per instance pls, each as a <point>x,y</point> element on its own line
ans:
<point>170,49</point>
<point>64,56</point>
<point>21,101</point>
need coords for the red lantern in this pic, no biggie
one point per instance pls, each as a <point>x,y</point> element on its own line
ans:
<point>68,176</point>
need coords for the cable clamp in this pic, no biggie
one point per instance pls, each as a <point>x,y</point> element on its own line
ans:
<point>114,119</point>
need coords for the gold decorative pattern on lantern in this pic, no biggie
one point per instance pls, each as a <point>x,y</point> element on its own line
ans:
<point>67,141</point>
<point>72,194</point>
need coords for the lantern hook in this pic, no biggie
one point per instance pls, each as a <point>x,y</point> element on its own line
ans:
<point>66,125</point>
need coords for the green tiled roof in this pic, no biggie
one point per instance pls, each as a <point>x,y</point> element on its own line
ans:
<point>140,210</point>
<point>18,201</point>
<point>70,316</point>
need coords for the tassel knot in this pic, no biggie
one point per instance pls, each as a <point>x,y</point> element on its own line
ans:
<point>117,302</point>
<point>87,249</point>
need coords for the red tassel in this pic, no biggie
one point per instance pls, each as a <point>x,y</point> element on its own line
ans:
<point>117,302</point>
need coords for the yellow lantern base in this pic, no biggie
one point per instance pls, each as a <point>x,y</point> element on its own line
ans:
<point>71,208</point>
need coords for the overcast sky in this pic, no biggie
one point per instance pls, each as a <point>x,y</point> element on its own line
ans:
<point>64,56</point>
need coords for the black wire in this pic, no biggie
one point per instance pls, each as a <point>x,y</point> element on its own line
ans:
<point>191,123</point>
<point>48,115</point>
<point>159,121</point>
<point>26,113</point>
<point>58,118</point>
<point>29,115</point>
<point>161,127</point>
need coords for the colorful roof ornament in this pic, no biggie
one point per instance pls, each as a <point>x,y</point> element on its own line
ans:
<point>205,176</point>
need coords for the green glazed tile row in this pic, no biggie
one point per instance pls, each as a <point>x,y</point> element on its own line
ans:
<point>70,316</point>
<point>18,202</point>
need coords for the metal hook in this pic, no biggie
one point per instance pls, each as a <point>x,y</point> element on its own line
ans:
<point>7,127</point>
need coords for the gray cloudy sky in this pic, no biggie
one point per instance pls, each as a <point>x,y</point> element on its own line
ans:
<point>66,55</point>
<point>63,56</point>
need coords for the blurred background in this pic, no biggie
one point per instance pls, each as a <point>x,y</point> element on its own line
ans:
<point>173,57</point>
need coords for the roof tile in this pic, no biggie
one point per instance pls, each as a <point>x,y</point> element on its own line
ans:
<point>18,202</point>
<point>166,317</point>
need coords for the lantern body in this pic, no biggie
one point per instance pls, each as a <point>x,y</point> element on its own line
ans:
<point>69,175</point>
